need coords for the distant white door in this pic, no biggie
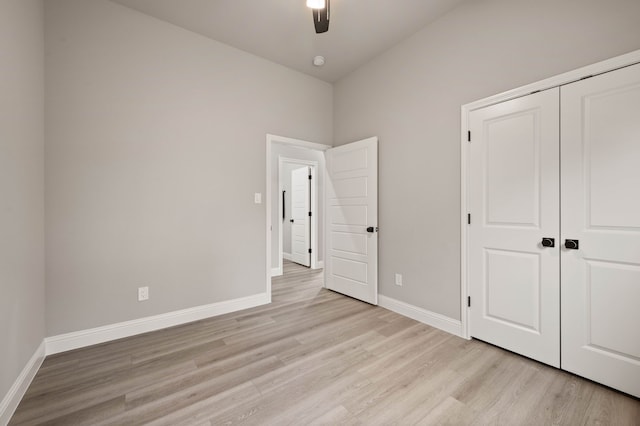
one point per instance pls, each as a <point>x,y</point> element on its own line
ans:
<point>351,265</point>
<point>601,210</point>
<point>300,216</point>
<point>514,200</point>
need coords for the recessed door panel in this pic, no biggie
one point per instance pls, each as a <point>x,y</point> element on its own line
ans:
<point>350,187</point>
<point>350,242</point>
<point>512,288</point>
<point>607,314</point>
<point>612,147</point>
<point>350,161</point>
<point>350,269</point>
<point>514,204</point>
<point>512,169</point>
<point>349,215</point>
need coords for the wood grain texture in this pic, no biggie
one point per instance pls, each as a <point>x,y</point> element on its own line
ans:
<point>311,357</point>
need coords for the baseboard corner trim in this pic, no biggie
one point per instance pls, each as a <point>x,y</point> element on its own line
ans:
<point>11,400</point>
<point>424,316</point>
<point>320,264</point>
<point>276,272</point>
<point>80,339</point>
<point>287,256</point>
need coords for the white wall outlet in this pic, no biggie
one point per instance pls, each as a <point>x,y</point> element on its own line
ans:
<point>257,198</point>
<point>143,293</point>
<point>398,279</point>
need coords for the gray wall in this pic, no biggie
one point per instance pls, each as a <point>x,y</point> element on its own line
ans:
<point>21,186</point>
<point>289,151</point>
<point>411,96</point>
<point>155,147</point>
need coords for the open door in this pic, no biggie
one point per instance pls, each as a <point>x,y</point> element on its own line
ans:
<point>351,232</point>
<point>301,216</point>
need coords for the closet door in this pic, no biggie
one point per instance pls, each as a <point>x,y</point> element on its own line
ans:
<point>601,210</point>
<point>514,205</point>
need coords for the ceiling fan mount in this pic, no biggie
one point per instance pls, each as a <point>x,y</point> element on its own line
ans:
<point>320,10</point>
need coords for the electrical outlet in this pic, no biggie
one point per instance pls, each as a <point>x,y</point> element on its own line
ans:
<point>398,279</point>
<point>143,293</point>
<point>257,197</point>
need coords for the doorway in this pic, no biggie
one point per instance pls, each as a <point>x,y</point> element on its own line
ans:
<point>349,210</point>
<point>279,151</point>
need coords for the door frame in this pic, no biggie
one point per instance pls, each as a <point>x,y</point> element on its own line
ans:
<point>555,81</point>
<point>270,140</point>
<point>313,206</point>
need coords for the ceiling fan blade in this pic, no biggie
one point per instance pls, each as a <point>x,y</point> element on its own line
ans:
<point>321,19</point>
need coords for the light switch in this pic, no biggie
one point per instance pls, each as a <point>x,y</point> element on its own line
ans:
<point>398,279</point>
<point>257,198</point>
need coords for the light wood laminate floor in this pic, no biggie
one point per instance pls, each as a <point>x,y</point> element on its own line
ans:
<point>311,357</point>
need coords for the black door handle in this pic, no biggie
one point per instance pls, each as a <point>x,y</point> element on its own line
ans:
<point>372,229</point>
<point>291,220</point>
<point>572,244</point>
<point>284,206</point>
<point>548,242</point>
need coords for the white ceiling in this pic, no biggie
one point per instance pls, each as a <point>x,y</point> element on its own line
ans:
<point>282,30</point>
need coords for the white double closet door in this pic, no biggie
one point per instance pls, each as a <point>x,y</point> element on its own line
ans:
<point>554,241</point>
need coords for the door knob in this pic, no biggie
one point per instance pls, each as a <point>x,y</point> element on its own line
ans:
<point>571,244</point>
<point>548,242</point>
<point>291,220</point>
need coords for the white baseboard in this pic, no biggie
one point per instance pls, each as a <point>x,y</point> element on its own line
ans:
<point>11,400</point>
<point>424,316</point>
<point>286,256</point>
<point>320,264</point>
<point>276,272</point>
<point>80,339</point>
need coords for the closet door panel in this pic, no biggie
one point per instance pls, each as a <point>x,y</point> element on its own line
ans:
<point>600,181</point>
<point>514,202</point>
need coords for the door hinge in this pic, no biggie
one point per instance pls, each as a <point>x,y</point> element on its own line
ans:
<point>309,177</point>
<point>309,251</point>
<point>469,136</point>
<point>468,218</point>
<point>309,213</point>
<point>468,301</point>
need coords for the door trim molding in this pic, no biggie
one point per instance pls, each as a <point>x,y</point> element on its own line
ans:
<point>555,81</point>
<point>270,140</point>
<point>314,209</point>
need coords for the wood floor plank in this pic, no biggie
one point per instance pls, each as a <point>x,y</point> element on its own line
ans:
<point>311,357</point>
<point>160,404</point>
<point>335,416</point>
<point>103,388</point>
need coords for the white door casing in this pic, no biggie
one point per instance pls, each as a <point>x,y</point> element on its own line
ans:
<point>351,259</point>
<point>514,200</point>
<point>601,209</point>
<point>300,216</point>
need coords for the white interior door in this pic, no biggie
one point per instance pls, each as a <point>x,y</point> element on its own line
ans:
<point>601,209</point>
<point>514,201</point>
<point>351,261</point>
<point>300,216</point>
